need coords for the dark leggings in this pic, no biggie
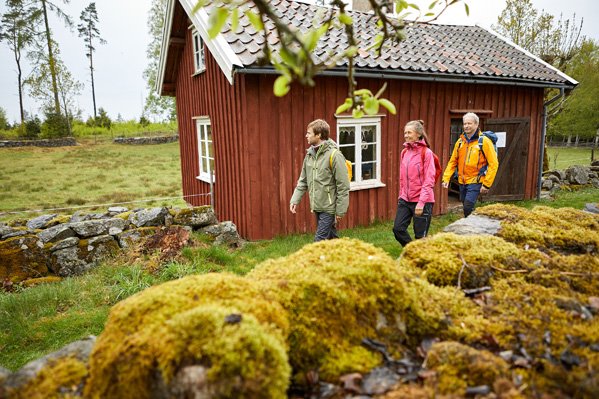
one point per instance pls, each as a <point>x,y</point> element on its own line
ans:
<point>403,217</point>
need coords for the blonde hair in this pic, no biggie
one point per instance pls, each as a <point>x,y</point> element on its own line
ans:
<point>418,127</point>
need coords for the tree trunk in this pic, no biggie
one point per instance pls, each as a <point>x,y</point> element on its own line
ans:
<point>51,61</point>
<point>569,140</point>
<point>91,70</point>
<point>20,83</point>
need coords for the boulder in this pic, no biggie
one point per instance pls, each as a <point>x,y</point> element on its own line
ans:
<point>195,217</point>
<point>577,174</point>
<point>21,258</point>
<point>56,375</point>
<point>75,260</point>
<point>90,228</point>
<point>55,233</point>
<point>40,222</point>
<point>474,224</point>
<point>130,237</point>
<point>148,217</point>
<point>224,233</point>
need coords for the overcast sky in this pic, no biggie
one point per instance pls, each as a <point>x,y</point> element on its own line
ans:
<point>119,64</point>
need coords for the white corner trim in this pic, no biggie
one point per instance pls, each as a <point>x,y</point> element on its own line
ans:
<point>219,47</point>
<point>505,39</point>
<point>166,37</point>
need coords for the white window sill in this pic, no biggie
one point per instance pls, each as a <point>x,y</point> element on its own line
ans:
<point>199,72</point>
<point>366,185</point>
<point>206,178</point>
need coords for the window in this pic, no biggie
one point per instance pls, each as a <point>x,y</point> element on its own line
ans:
<point>198,52</point>
<point>205,149</point>
<point>360,142</point>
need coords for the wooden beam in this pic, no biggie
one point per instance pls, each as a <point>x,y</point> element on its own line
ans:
<point>465,111</point>
<point>177,41</point>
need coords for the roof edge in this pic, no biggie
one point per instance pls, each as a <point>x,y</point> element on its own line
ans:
<point>166,36</point>
<point>538,59</point>
<point>219,48</point>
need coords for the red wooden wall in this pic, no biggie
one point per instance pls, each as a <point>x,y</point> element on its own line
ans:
<point>260,145</point>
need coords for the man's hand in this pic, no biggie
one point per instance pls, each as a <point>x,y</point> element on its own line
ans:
<point>293,208</point>
<point>337,219</point>
<point>445,184</point>
<point>418,211</point>
<point>484,190</point>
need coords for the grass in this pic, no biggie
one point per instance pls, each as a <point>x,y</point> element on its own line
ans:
<point>38,320</point>
<point>562,157</point>
<point>89,174</point>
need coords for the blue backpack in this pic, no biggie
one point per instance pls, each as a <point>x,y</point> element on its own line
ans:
<point>493,137</point>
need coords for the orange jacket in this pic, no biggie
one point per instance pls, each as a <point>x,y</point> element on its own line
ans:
<point>466,157</point>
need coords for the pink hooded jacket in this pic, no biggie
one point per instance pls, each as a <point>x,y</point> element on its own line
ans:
<point>416,180</point>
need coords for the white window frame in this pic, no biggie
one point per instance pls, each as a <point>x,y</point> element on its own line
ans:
<point>358,183</point>
<point>202,123</point>
<point>199,57</point>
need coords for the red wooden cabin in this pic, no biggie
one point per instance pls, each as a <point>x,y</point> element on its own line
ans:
<point>232,126</point>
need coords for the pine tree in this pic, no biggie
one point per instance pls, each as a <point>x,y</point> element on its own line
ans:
<point>88,30</point>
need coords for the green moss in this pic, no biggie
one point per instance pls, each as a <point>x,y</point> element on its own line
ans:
<point>123,215</point>
<point>61,378</point>
<point>566,230</point>
<point>41,280</point>
<point>179,324</point>
<point>18,264</point>
<point>60,219</point>
<point>459,366</point>
<point>442,257</point>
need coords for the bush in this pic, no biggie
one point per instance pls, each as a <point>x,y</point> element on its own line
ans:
<point>55,125</point>
<point>33,128</point>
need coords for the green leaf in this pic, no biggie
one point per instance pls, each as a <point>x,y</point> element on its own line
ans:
<point>217,21</point>
<point>351,51</point>
<point>467,9</point>
<point>345,19</point>
<point>414,6</point>
<point>432,5</point>
<point>281,86</point>
<point>363,92</point>
<point>357,113</point>
<point>371,106</point>
<point>288,57</point>
<point>234,19</point>
<point>255,20</point>
<point>388,105</point>
<point>345,106</point>
<point>199,4</point>
<point>429,14</point>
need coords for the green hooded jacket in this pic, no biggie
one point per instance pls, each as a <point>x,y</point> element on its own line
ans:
<point>328,187</point>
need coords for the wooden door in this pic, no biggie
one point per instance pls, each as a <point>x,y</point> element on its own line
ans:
<point>511,176</point>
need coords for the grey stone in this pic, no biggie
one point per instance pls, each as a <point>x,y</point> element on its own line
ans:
<point>593,208</point>
<point>91,228</point>
<point>148,217</point>
<point>594,182</point>
<point>67,242</point>
<point>554,179</point>
<point>560,174</point>
<point>117,209</point>
<point>474,224</point>
<point>4,229</point>
<point>224,233</point>
<point>67,262</point>
<point>577,174</point>
<point>40,221</point>
<point>546,184</point>
<point>195,217</point>
<point>78,349</point>
<point>55,233</point>
<point>78,216</point>
<point>16,233</point>
<point>379,381</point>
<point>129,237</point>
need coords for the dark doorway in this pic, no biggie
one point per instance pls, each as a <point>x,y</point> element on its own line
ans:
<point>513,158</point>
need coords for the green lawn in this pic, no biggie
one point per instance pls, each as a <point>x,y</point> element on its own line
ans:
<point>562,157</point>
<point>89,174</point>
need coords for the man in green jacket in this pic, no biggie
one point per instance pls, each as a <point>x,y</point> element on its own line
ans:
<point>325,179</point>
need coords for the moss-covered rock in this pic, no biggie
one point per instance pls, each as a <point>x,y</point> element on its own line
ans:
<point>195,217</point>
<point>60,379</point>
<point>460,366</point>
<point>447,258</point>
<point>41,280</point>
<point>218,324</point>
<point>21,259</point>
<point>566,230</point>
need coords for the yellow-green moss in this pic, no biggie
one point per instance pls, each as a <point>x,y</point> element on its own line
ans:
<point>563,229</point>
<point>442,256</point>
<point>168,327</point>
<point>123,215</point>
<point>41,280</point>
<point>59,219</point>
<point>459,366</point>
<point>62,378</point>
<point>18,264</point>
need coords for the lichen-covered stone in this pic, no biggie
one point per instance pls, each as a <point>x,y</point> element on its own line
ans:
<point>219,325</point>
<point>21,258</point>
<point>55,233</point>
<point>76,260</point>
<point>40,221</point>
<point>460,366</point>
<point>148,217</point>
<point>129,238</point>
<point>195,217</point>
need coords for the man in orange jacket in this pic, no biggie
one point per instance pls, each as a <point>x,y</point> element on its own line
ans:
<point>473,177</point>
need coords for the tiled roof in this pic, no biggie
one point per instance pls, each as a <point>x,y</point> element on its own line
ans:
<point>453,51</point>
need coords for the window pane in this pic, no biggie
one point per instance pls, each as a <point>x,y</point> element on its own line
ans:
<point>212,166</point>
<point>347,135</point>
<point>368,133</point>
<point>368,152</point>
<point>204,165</point>
<point>349,152</point>
<point>369,170</point>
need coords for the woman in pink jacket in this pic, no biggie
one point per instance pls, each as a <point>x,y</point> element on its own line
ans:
<point>416,181</point>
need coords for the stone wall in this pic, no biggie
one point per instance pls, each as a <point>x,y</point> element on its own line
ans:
<point>63,142</point>
<point>146,140</point>
<point>67,245</point>
<point>555,180</point>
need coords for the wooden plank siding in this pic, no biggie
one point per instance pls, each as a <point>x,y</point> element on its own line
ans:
<point>260,145</point>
